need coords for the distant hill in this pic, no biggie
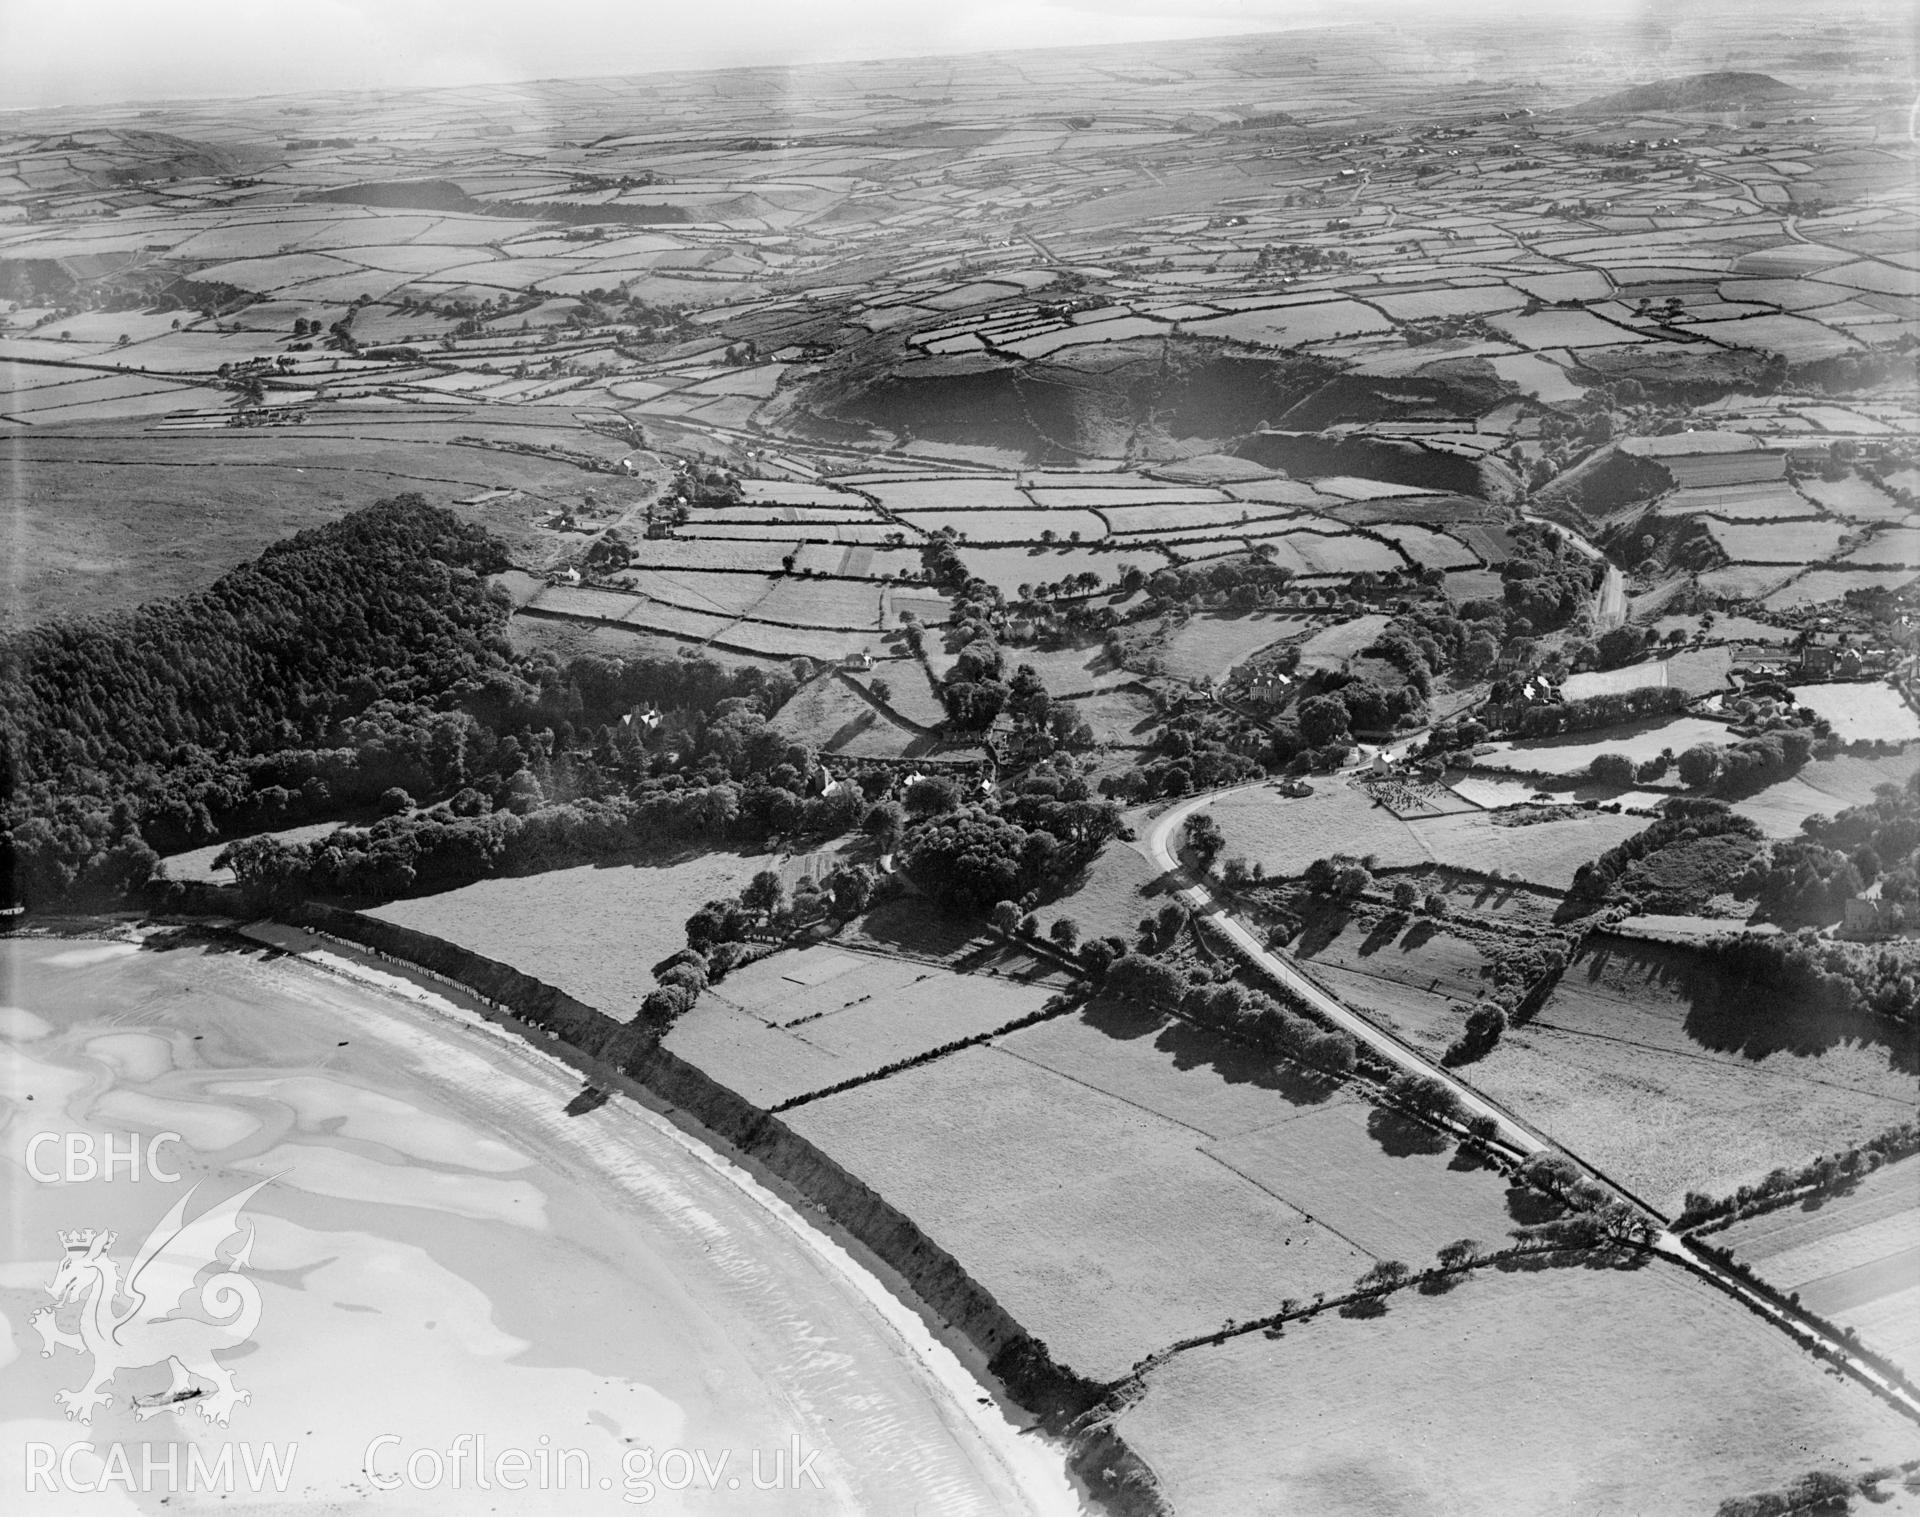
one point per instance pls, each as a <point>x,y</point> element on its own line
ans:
<point>1690,92</point>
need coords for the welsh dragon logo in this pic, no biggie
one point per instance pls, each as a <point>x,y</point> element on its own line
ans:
<point>146,1328</point>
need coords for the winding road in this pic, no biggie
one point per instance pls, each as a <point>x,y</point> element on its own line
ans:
<point>1513,1131</point>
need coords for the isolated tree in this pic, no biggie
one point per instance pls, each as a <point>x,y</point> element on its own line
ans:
<point>1202,835</point>
<point>1405,896</point>
<point>1005,917</point>
<point>1460,1251</point>
<point>1436,904</point>
<point>1065,932</point>
<point>763,893</point>
<point>882,690</point>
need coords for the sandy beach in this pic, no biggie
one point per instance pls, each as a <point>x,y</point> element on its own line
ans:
<point>452,1268</point>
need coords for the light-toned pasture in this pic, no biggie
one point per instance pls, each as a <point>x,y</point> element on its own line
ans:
<point>1101,1226</point>
<point>1557,1394</point>
<point>1875,711</point>
<point>1574,752</point>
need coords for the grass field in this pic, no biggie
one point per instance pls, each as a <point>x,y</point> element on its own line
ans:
<point>1545,853</point>
<point>1209,645</point>
<point>1332,646</point>
<point>594,931</point>
<point>1669,1082</point>
<point>1872,711</point>
<point>1853,1258</point>
<point>1778,542</point>
<point>831,718</point>
<point>1286,833</point>
<point>1697,671</point>
<point>1111,896</point>
<point>1386,1185</point>
<point>1072,671</point>
<point>1564,1393</point>
<point>1573,753</point>
<point>797,1022</point>
<point>1405,975</point>
<point>1822,788</point>
<point>1122,718</point>
<point>1825,584</point>
<point>1101,1226</point>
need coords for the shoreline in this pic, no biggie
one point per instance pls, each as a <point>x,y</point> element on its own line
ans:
<point>801,1189</point>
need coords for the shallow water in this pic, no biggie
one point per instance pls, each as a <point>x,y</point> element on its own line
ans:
<point>444,1253</point>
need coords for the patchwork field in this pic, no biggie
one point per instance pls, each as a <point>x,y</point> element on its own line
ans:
<point>1852,1258</point>
<point>1617,1391</point>
<point>797,1022</point>
<point>1669,1082</point>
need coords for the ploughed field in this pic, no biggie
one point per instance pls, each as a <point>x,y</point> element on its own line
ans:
<point>1852,1258</point>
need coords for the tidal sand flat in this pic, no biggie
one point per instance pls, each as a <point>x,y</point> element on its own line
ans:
<point>444,1251</point>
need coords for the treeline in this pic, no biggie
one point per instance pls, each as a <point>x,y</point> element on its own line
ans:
<point>1749,764</point>
<point>1247,583</point>
<point>1252,1015</point>
<point>1830,975</point>
<point>1829,1172</point>
<point>1606,710</point>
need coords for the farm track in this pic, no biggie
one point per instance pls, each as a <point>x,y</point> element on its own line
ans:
<point>1514,1131</point>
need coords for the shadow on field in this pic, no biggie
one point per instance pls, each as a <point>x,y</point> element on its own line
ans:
<point>1529,1207</point>
<point>1122,1020</point>
<point>1322,922</point>
<point>1384,932</point>
<point>1419,935</point>
<point>1400,1137</point>
<point>1191,1047</point>
<point>1752,1020</point>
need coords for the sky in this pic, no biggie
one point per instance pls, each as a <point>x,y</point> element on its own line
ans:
<point>59,52</point>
